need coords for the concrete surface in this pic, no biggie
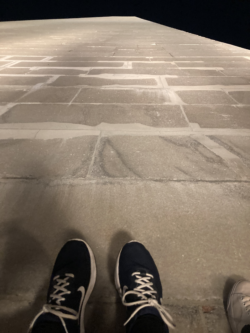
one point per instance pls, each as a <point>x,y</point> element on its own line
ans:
<point>113,129</point>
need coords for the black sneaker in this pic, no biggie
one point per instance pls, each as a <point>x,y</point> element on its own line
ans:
<point>138,283</point>
<point>72,281</point>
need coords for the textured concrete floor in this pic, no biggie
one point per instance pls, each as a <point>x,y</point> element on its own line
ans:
<point>114,129</point>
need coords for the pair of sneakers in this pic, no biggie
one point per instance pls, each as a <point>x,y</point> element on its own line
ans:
<point>138,283</point>
<point>73,278</point>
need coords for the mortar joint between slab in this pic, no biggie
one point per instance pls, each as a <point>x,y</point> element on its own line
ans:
<point>88,176</point>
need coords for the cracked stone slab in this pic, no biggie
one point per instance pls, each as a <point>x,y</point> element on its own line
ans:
<point>46,158</point>
<point>239,146</point>
<point>95,114</point>
<point>218,116</point>
<point>88,95</point>
<point>172,158</point>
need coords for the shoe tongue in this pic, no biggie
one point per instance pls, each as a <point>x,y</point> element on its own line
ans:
<point>48,318</point>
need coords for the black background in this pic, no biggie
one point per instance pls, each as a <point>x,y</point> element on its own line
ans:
<point>223,20</point>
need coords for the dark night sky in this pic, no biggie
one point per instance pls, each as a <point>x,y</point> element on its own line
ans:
<point>223,20</point>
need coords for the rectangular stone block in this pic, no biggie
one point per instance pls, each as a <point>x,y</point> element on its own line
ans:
<point>96,81</point>
<point>218,116</point>
<point>143,71</point>
<point>51,95</point>
<point>161,65</point>
<point>207,81</point>
<point>46,158</point>
<point>237,72</point>
<point>68,64</point>
<point>56,71</point>
<point>26,58</point>
<point>201,72</point>
<point>93,115</point>
<point>10,70</point>
<point>169,158</point>
<point>11,95</point>
<point>2,63</point>
<point>22,80</point>
<point>223,64</point>
<point>205,97</point>
<point>243,97</point>
<point>107,58</point>
<point>88,95</point>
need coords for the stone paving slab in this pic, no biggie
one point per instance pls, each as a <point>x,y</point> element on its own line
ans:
<point>89,95</point>
<point>229,64</point>
<point>237,71</point>
<point>205,97</point>
<point>166,164</point>
<point>10,70</point>
<point>51,95</point>
<point>22,80</point>
<point>218,116</point>
<point>93,114</point>
<point>139,71</point>
<point>207,81</point>
<point>11,95</point>
<point>68,64</point>
<point>242,97</point>
<point>92,81</point>
<point>26,58</point>
<point>51,158</point>
<point>154,65</point>
<point>170,158</point>
<point>201,72</point>
<point>112,58</point>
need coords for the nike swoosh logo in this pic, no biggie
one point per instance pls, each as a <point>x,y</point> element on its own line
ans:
<point>82,290</point>
<point>125,288</point>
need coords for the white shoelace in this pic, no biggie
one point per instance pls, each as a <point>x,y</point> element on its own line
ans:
<point>60,290</point>
<point>140,291</point>
<point>246,302</point>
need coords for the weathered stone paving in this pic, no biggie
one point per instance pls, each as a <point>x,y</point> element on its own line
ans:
<point>113,129</point>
